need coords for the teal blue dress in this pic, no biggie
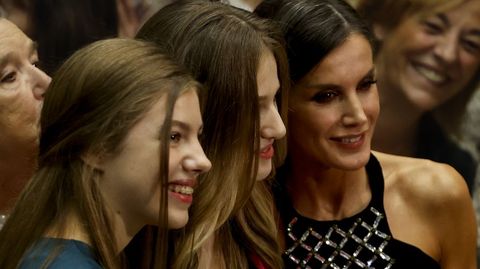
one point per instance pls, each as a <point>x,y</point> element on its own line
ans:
<point>71,254</point>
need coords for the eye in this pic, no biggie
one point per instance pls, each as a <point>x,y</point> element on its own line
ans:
<point>432,27</point>
<point>471,46</point>
<point>324,97</point>
<point>366,84</point>
<point>9,77</point>
<point>175,137</point>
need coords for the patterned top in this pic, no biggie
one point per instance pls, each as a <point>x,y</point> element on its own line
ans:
<point>360,241</point>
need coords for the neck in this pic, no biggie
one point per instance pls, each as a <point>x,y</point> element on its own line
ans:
<point>72,227</point>
<point>327,193</point>
<point>397,126</point>
<point>209,257</point>
<point>69,227</point>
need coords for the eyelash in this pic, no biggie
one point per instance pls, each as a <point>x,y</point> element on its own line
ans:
<point>432,28</point>
<point>175,137</point>
<point>9,77</point>
<point>366,85</point>
<point>327,96</point>
<point>324,97</point>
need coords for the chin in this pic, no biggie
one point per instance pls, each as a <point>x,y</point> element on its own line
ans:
<point>264,171</point>
<point>176,222</point>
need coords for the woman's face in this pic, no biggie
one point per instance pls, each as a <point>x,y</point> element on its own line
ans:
<point>22,86</point>
<point>334,108</point>
<point>131,178</point>
<point>431,58</point>
<point>271,124</point>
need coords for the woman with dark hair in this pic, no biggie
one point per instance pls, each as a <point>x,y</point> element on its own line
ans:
<point>119,150</point>
<point>240,60</point>
<point>342,205</point>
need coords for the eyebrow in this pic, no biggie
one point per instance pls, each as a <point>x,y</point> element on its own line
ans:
<point>6,57</point>
<point>33,47</point>
<point>265,98</point>
<point>444,19</point>
<point>369,74</point>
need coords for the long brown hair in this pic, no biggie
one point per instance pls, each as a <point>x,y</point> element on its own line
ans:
<point>93,101</point>
<point>222,47</point>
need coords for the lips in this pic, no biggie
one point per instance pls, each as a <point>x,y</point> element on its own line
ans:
<point>349,141</point>
<point>267,152</point>
<point>433,75</point>
<point>182,190</point>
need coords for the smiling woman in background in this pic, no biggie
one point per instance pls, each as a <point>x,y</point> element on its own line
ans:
<point>427,68</point>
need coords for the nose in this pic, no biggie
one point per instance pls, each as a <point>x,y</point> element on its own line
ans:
<point>40,82</point>
<point>197,162</point>
<point>354,113</point>
<point>446,50</point>
<point>271,124</point>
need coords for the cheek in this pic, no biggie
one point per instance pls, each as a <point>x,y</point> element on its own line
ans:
<point>372,106</point>
<point>312,121</point>
<point>470,64</point>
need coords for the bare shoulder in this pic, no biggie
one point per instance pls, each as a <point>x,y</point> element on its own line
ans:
<point>428,205</point>
<point>433,183</point>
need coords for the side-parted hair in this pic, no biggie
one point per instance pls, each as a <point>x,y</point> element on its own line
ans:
<point>222,46</point>
<point>94,100</point>
<point>389,14</point>
<point>312,29</point>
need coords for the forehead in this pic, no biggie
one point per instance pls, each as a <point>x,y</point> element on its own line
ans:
<point>458,12</point>
<point>352,60</point>
<point>267,79</point>
<point>11,35</point>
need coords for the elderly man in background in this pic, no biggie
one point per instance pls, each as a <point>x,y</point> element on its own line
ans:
<point>22,86</point>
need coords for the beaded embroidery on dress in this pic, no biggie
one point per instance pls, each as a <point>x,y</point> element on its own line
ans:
<point>360,244</point>
<point>363,240</point>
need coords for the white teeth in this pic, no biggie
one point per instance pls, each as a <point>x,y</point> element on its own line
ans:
<point>351,139</point>
<point>181,189</point>
<point>430,74</point>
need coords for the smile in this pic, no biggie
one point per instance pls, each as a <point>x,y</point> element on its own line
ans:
<point>349,140</point>
<point>182,189</point>
<point>267,152</point>
<point>430,74</point>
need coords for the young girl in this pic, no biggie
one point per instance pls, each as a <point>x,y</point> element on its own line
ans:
<point>241,61</point>
<point>119,150</point>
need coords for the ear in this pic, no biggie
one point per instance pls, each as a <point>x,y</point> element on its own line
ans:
<point>378,31</point>
<point>94,160</point>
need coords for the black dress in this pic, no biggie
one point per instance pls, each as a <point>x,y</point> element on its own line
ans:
<point>360,241</point>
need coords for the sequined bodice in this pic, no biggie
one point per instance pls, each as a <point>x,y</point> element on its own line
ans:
<point>360,241</point>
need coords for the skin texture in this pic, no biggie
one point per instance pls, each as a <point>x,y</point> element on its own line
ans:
<point>271,124</point>
<point>431,58</point>
<point>423,62</point>
<point>336,100</point>
<point>22,86</point>
<point>328,180</point>
<point>134,172</point>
